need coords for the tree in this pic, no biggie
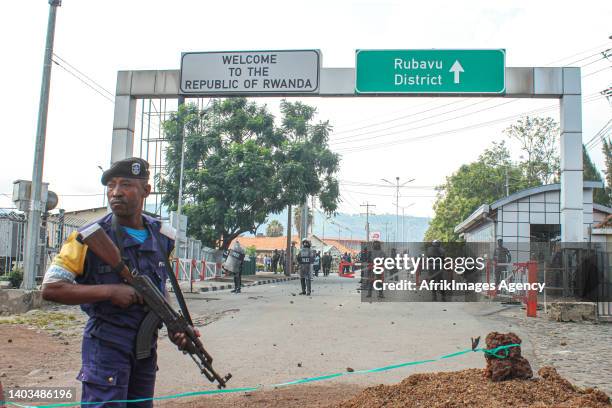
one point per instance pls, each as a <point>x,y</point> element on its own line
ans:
<point>607,151</point>
<point>590,173</point>
<point>484,181</point>
<point>538,139</point>
<point>274,229</point>
<point>297,220</point>
<point>311,165</point>
<point>474,184</point>
<point>240,167</point>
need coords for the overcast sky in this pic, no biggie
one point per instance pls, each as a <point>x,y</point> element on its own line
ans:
<point>372,134</point>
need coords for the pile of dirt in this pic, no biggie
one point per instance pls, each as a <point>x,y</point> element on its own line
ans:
<point>470,388</point>
<point>506,364</point>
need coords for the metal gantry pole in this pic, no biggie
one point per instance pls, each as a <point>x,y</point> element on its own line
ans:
<point>36,204</point>
<point>181,102</point>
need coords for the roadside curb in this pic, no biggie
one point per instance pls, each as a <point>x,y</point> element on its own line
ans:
<point>261,282</point>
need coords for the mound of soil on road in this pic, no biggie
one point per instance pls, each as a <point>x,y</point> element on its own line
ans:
<point>470,388</point>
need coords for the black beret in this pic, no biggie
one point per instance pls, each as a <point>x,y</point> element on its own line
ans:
<point>133,167</point>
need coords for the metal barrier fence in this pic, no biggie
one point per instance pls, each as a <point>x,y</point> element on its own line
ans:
<point>12,230</point>
<point>194,262</point>
<point>196,269</point>
<point>54,229</point>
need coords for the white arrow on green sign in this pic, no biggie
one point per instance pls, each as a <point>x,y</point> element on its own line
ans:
<point>431,71</point>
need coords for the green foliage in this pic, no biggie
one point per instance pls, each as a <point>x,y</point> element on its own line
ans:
<point>590,173</point>
<point>485,180</point>
<point>251,251</point>
<point>297,219</point>
<point>240,167</point>
<point>494,175</point>
<point>16,277</point>
<point>606,195</point>
<point>539,139</point>
<point>474,184</point>
<point>274,229</point>
<point>607,151</point>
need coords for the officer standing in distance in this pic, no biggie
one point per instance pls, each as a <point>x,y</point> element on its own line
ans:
<point>110,369</point>
<point>377,252</point>
<point>233,264</point>
<point>305,261</point>
<point>502,257</point>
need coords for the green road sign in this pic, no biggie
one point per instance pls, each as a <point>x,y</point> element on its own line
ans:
<point>431,71</point>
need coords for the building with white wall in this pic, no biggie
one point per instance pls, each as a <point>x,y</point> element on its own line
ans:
<point>530,215</point>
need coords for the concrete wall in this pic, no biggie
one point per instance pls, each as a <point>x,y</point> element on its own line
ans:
<point>20,301</point>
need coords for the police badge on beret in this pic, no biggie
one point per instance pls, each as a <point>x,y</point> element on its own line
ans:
<point>134,167</point>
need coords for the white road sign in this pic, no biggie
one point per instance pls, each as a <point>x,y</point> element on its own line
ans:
<point>250,72</point>
<point>375,236</point>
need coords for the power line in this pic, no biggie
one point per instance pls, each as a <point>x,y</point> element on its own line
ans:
<point>433,124</point>
<point>345,125</point>
<point>83,74</point>
<point>596,72</point>
<point>394,119</point>
<point>83,81</point>
<point>389,195</point>
<point>97,86</point>
<point>355,149</point>
<point>595,140</point>
<point>367,205</point>
<point>602,130</point>
<point>579,53</point>
<point>366,184</point>
<point>426,125</point>
<point>65,195</point>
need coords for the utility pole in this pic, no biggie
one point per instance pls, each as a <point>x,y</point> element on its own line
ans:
<point>386,232</point>
<point>36,204</point>
<point>288,254</point>
<point>397,186</point>
<point>104,189</point>
<point>304,229</point>
<point>403,236</point>
<point>367,205</point>
<point>403,226</point>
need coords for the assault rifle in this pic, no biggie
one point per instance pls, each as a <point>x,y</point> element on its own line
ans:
<point>160,310</point>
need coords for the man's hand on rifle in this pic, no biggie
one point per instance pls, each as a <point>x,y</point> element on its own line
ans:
<point>181,340</point>
<point>123,295</point>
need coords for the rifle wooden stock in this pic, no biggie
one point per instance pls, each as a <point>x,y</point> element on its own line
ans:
<point>100,244</point>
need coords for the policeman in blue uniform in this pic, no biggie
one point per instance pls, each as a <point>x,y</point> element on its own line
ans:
<point>110,369</point>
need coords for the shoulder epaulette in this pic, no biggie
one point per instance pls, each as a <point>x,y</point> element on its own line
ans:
<point>167,230</point>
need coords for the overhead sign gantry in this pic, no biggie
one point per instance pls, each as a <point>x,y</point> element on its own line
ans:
<point>469,73</point>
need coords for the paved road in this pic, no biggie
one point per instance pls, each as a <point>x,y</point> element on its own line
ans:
<point>262,335</point>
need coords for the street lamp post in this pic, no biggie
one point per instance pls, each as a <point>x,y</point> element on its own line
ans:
<point>397,188</point>
<point>36,204</point>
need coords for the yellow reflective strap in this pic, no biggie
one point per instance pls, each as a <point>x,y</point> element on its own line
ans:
<point>72,255</point>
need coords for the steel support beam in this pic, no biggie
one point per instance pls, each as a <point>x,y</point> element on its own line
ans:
<point>572,211</point>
